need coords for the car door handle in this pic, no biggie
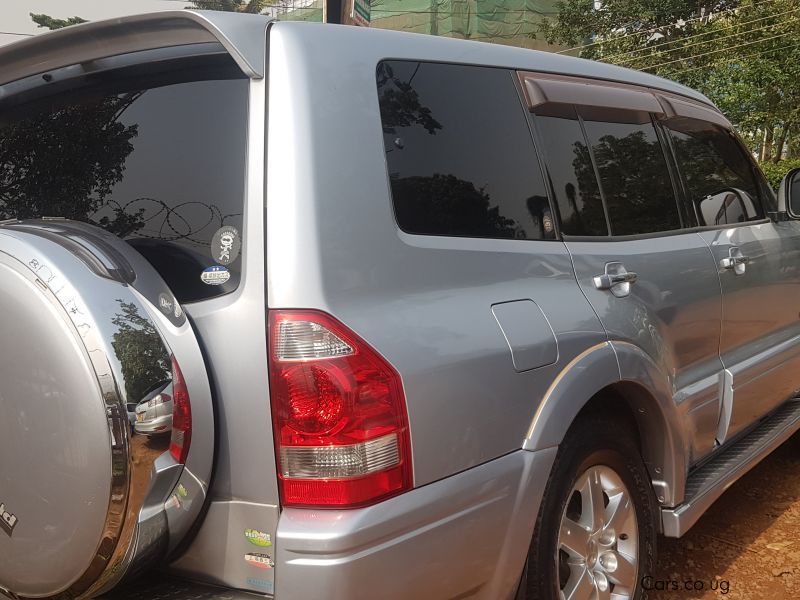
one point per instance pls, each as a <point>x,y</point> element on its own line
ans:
<point>609,280</point>
<point>730,262</point>
<point>735,261</point>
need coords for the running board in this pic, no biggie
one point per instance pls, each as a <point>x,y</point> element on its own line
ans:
<point>711,480</point>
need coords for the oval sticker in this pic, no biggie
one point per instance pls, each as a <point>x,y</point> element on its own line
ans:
<point>258,538</point>
<point>226,245</point>
<point>215,275</point>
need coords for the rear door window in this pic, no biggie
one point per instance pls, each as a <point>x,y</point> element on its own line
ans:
<point>459,152</point>
<point>633,171</point>
<point>721,180</point>
<point>158,159</point>
<point>572,175</point>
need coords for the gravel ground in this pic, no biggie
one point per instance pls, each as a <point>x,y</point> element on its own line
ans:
<point>748,542</point>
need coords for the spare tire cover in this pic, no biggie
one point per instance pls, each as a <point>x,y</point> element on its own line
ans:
<point>89,329</point>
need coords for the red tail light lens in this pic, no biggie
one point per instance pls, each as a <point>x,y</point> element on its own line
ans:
<point>181,416</point>
<point>339,414</point>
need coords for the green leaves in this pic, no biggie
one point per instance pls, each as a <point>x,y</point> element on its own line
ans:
<point>744,55</point>
<point>242,6</point>
<point>43,20</point>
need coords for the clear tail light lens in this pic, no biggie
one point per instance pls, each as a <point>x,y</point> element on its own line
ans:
<point>181,416</point>
<point>339,414</point>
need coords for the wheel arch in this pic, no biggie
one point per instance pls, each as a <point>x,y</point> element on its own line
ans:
<point>621,377</point>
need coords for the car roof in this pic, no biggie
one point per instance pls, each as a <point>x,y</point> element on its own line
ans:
<point>244,37</point>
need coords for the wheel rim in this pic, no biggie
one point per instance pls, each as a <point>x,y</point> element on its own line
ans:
<point>598,541</point>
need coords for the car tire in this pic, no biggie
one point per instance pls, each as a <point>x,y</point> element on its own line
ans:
<point>595,535</point>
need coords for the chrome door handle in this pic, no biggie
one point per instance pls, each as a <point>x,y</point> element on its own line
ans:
<point>731,261</point>
<point>735,261</point>
<point>616,279</point>
<point>607,281</point>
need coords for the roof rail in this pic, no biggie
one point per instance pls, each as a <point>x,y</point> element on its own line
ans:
<point>242,35</point>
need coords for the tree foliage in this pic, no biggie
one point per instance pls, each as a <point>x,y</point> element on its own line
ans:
<point>253,7</point>
<point>743,54</point>
<point>138,347</point>
<point>66,161</point>
<point>51,23</point>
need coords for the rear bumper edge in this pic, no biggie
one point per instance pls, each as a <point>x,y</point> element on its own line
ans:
<point>464,536</point>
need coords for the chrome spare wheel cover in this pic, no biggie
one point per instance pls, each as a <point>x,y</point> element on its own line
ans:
<point>87,335</point>
<point>598,541</point>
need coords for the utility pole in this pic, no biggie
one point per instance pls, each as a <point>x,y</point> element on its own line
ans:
<point>346,12</point>
<point>337,11</point>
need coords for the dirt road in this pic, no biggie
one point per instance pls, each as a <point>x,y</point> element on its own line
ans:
<point>748,543</point>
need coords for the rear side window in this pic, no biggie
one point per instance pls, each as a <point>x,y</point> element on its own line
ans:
<point>156,159</point>
<point>459,152</point>
<point>633,171</point>
<point>720,178</point>
<point>571,172</point>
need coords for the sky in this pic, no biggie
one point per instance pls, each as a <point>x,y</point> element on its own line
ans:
<point>15,20</point>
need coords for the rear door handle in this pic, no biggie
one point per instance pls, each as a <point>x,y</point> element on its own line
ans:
<point>617,279</point>
<point>735,261</point>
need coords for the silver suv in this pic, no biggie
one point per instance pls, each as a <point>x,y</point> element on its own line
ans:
<point>440,319</point>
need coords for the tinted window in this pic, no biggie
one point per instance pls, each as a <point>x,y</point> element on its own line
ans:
<point>459,152</point>
<point>634,175</point>
<point>715,167</point>
<point>571,172</point>
<point>158,161</point>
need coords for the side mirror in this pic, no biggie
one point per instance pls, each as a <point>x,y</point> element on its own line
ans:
<point>789,194</point>
<point>725,207</point>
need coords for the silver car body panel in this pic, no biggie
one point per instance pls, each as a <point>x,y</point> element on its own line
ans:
<point>232,330</point>
<point>759,349</point>
<point>315,251</point>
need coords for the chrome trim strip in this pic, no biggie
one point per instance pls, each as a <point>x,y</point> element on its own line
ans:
<point>557,380</point>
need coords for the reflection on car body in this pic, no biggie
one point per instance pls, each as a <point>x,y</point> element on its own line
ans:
<point>154,413</point>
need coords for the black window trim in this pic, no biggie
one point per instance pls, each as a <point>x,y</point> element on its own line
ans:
<point>548,182</point>
<point>656,234</point>
<point>678,191</point>
<point>595,170</point>
<point>551,190</point>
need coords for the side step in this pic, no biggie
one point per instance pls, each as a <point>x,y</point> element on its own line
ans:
<point>711,480</point>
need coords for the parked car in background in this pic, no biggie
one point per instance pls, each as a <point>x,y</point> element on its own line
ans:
<point>440,319</point>
<point>154,412</point>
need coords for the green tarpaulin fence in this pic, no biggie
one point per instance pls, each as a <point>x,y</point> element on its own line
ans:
<point>511,22</point>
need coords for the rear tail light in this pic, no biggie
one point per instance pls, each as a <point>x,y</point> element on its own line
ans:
<point>181,416</point>
<point>161,398</point>
<point>339,414</point>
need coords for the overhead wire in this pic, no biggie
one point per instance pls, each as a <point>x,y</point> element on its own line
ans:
<point>630,62</point>
<point>659,27</point>
<point>738,57</point>
<point>750,43</point>
<point>657,47</point>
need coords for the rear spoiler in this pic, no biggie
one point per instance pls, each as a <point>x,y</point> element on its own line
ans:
<point>242,35</point>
